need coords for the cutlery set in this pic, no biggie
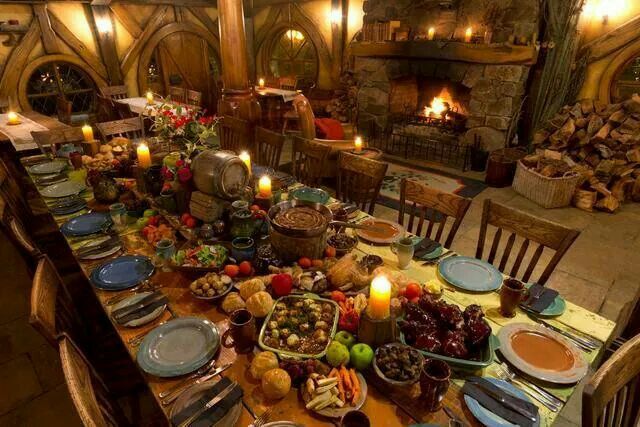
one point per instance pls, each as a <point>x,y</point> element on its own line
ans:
<point>191,381</point>
<point>586,344</point>
<point>210,404</point>
<point>145,285</point>
<point>547,399</point>
<point>439,258</point>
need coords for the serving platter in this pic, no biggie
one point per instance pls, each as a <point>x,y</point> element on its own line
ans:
<point>63,189</point>
<point>391,231</point>
<point>470,274</point>
<point>178,347</point>
<point>340,412</point>
<point>122,273</point>
<point>488,418</point>
<point>542,353</point>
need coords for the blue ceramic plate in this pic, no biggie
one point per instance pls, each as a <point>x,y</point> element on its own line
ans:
<point>86,224</point>
<point>178,347</point>
<point>48,168</point>
<point>556,308</point>
<point>470,274</point>
<point>308,194</point>
<point>487,417</point>
<point>122,273</point>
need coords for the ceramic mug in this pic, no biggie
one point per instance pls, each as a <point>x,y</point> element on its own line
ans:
<point>243,249</point>
<point>355,419</point>
<point>511,294</point>
<point>165,249</point>
<point>404,249</point>
<point>118,213</point>
<point>242,331</point>
<point>434,383</point>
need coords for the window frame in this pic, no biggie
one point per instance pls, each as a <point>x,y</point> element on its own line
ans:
<point>277,38</point>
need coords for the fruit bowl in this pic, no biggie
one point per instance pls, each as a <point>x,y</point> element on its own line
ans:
<point>391,381</point>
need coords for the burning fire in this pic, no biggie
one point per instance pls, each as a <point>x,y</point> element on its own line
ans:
<point>440,105</point>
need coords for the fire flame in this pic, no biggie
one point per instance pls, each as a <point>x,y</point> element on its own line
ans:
<point>440,104</point>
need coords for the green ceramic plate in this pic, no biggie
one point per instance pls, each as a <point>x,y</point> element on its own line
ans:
<point>308,194</point>
<point>556,308</point>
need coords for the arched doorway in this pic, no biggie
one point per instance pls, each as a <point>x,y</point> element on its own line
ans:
<point>627,80</point>
<point>182,55</point>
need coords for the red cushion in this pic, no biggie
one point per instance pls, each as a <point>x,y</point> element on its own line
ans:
<point>329,129</point>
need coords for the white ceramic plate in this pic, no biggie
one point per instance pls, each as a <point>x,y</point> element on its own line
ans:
<point>556,371</point>
<point>63,189</point>
<point>48,168</point>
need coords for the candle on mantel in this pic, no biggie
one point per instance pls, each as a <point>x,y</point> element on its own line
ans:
<point>244,156</point>
<point>12,118</point>
<point>144,156</point>
<point>264,186</point>
<point>87,132</point>
<point>380,298</point>
<point>431,34</point>
<point>358,144</point>
<point>149,97</point>
<point>468,34</point>
<point>261,84</point>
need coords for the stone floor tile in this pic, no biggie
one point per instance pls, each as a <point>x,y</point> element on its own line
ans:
<point>46,362</point>
<point>578,290</point>
<point>18,383</point>
<point>18,337</point>
<point>14,300</point>
<point>51,409</point>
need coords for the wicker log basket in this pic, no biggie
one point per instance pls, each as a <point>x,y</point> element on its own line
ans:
<point>545,191</point>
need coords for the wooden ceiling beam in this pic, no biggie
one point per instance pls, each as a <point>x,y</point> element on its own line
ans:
<point>106,41</point>
<point>49,40</point>
<point>152,25</point>
<point>126,19</point>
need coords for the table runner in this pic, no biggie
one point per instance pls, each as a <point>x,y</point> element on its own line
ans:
<point>20,134</point>
<point>287,95</point>
<point>139,105</point>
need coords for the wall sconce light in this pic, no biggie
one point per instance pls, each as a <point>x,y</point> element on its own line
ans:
<point>103,25</point>
<point>335,16</point>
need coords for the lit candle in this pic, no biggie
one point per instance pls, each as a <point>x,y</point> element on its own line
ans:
<point>468,34</point>
<point>380,298</point>
<point>12,118</point>
<point>149,97</point>
<point>358,144</point>
<point>431,33</point>
<point>144,156</point>
<point>244,156</point>
<point>264,186</point>
<point>261,83</point>
<point>87,131</point>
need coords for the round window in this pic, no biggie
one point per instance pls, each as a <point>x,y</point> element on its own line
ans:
<point>293,55</point>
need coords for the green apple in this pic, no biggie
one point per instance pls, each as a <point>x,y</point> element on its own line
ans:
<point>345,338</point>
<point>337,354</point>
<point>361,356</point>
<point>149,213</point>
<point>142,223</point>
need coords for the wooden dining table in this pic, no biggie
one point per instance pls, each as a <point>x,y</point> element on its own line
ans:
<point>384,406</point>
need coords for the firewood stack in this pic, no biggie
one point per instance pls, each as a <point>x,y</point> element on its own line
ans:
<point>602,143</point>
<point>343,105</point>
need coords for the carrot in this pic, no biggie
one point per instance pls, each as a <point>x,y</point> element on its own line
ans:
<point>342,305</point>
<point>354,379</point>
<point>333,373</point>
<point>340,386</point>
<point>354,398</point>
<point>345,376</point>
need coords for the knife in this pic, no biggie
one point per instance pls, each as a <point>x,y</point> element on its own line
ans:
<point>100,247</point>
<point>508,401</point>
<point>130,309</point>
<point>581,342</point>
<point>177,392</point>
<point>144,311</point>
<point>213,402</point>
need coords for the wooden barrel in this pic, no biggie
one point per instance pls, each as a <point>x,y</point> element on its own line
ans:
<point>220,173</point>
<point>501,167</point>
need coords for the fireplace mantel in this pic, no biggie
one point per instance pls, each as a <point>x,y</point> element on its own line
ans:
<point>448,51</point>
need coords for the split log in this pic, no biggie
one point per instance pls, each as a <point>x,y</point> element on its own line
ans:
<point>608,204</point>
<point>584,199</point>
<point>634,155</point>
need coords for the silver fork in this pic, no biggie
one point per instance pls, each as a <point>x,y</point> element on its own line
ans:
<point>263,418</point>
<point>541,395</point>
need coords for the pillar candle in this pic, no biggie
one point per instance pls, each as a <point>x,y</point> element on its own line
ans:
<point>264,186</point>
<point>380,298</point>
<point>261,83</point>
<point>149,97</point>
<point>244,156</point>
<point>431,34</point>
<point>144,156</point>
<point>87,132</point>
<point>12,118</point>
<point>468,34</point>
<point>358,144</point>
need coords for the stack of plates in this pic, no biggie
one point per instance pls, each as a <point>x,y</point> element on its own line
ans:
<point>48,168</point>
<point>470,274</point>
<point>63,189</point>
<point>68,205</point>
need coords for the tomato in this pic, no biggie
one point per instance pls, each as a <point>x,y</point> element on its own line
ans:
<point>304,262</point>
<point>190,222</point>
<point>154,220</point>
<point>245,268</point>
<point>330,252</point>
<point>282,284</point>
<point>231,270</point>
<point>413,290</point>
<point>185,216</point>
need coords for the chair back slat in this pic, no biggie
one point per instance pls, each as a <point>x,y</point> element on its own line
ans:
<point>547,234</point>
<point>434,207</point>
<point>359,180</point>
<point>507,251</point>
<point>52,138</point>
<point>20,235</point>
<point>114,92</point>
<point>612,396</point>
<point>309,160</point>
<point>235,135</point>
<point>269,147</point>
<point>177,94</point>
<point>123,110</point>
<point>131,128</point>
<point>64,109</point>
<point>106,110</point>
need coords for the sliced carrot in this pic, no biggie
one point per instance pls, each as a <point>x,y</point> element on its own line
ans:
<point>340,386</point>
<point>354,380</point>
<point>345,376</point>
<point>333,373</point>
<point>355,397</point>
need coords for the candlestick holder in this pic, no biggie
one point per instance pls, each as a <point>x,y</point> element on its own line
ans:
<point>91,148</point>
<point>139,175</point>
<point>377,332</point>
<point>265,202</point>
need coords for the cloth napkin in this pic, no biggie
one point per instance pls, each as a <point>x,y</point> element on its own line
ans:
<point>496,407</point>
<point>546,298</point>
<point>140,313</point>
<point>425,247</point>
<point>212,415</point>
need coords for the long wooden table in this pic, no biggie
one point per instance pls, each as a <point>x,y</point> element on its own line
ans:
<point>385,407</point>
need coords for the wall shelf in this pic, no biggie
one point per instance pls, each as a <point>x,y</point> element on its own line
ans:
<point>448,51</point>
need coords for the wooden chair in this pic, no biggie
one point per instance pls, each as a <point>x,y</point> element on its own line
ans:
<point>269,147</point>
<point>309,160</point>
<point>612,396</point>
<point>235,135</point>
<point>114,92</point>
<point>131,128</point>
<point>177,94</point>
<point>123,111</point>
<point>89,394</point>
<point>21,237</point>
<point>194,98</point>
<point>50,139</point>
<point>106,109</point>
<point>545,233</point>
<point>433,206</point>
<point>359,180</point>
<point>64,110</point>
